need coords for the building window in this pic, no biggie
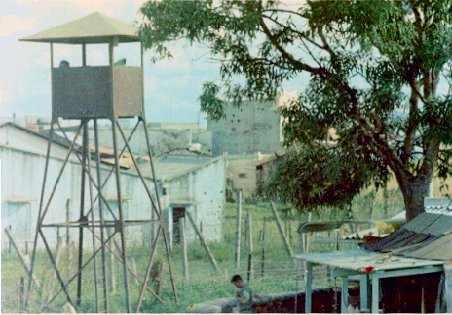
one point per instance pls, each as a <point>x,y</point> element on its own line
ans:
<point>259,167</point>
<point>242,175</point>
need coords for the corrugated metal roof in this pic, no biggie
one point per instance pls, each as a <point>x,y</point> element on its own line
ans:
<point>94,28</point>
<point>427,236</point>
<point>441,205</point>
<point>362,260</point>
<point>440,248</point>
<point>430,223</point>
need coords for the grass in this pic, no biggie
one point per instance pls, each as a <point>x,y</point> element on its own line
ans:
<point>205,283</point>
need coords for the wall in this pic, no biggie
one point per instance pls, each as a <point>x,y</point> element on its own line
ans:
<point>22,176</point>
<point>255,126</point>
<point>202,194</point>
<point>24,153</point>
<point>243,171</point>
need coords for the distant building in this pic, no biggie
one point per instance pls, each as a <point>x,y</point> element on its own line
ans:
<point>163,140</point>
<point>254,127</point>
<point>188,183</point>
<point>249,172</point>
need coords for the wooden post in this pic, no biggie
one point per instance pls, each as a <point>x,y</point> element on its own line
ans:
<point>200,231</point>
<point>133,268</point>
<point>250,232</point>
<point>250,244</point>
<point>290,233</point>
<point>183,240</point>
<point>68,211</point>
<point>21,294</point>
<point>212,259</point>
<point>249,269</point>
<point>263,250</point>
<point>280,228</point>
<point>308,296</point>
<point>239,228</point>
<point>111,264</point>
<point>22,260</point>
<point>53,278</point>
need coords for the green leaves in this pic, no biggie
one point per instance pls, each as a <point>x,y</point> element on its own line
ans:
<point>375,68</point>
<point>210,102</point>
<point>320,175</point>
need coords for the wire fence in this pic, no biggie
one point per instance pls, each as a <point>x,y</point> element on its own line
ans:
<point>263,255</point>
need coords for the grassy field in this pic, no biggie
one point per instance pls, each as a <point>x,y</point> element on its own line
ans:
<point>280,273</point>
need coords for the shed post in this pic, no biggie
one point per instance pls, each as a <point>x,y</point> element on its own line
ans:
<point>363,304</point>
<point>239,228</point>
<point>308,298</point>
<point>375,294</point>
<point>344,295</point>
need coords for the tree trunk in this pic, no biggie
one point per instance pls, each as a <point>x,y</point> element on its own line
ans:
<point>414,196</point>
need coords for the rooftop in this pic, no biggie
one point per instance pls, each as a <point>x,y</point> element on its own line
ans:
<point>93,28</point>
<point>361,260</point>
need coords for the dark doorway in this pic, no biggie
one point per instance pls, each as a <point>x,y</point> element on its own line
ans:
<point>178,213</point>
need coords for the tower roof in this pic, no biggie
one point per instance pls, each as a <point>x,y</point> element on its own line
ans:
<point>93,28</point>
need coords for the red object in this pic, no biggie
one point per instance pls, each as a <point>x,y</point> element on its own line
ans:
<point>368,269</point>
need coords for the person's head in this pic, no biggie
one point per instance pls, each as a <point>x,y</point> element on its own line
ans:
<point>237,281</point>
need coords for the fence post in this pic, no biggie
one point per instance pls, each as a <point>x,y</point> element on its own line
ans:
<point>133,268</point>
<point>111,264</point>
<point>280,228</point>
<point>239,229</point>
<point>22,259</point>
<point>263,249</point>
<point>204,243</point>
<point>68,211</point>
<point>250,244</point>
<point>21,295</point>
<point>183,239</point>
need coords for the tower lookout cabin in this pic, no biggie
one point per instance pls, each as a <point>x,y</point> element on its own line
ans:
<point>109,91</point>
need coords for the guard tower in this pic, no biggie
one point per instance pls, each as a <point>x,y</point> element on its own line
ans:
<point>89,94</point>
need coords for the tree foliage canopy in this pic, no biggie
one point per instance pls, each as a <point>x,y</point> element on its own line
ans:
<point>374,71</point>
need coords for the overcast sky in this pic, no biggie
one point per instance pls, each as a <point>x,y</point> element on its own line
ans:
<point>172,86</point>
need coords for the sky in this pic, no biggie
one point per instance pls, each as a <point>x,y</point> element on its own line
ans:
<point>172,87</point>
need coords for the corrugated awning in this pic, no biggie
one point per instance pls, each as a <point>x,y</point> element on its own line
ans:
<point>362,260</point>
<point>94,28</point>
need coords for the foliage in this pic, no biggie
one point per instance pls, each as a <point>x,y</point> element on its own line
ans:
<point>374,68</point>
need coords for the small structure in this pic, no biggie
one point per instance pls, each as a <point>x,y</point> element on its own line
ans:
<point>420,247</point>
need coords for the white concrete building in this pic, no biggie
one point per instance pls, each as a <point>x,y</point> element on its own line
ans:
<point>194,183</point>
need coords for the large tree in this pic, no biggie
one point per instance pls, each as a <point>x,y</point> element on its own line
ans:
<point>374,70</point>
